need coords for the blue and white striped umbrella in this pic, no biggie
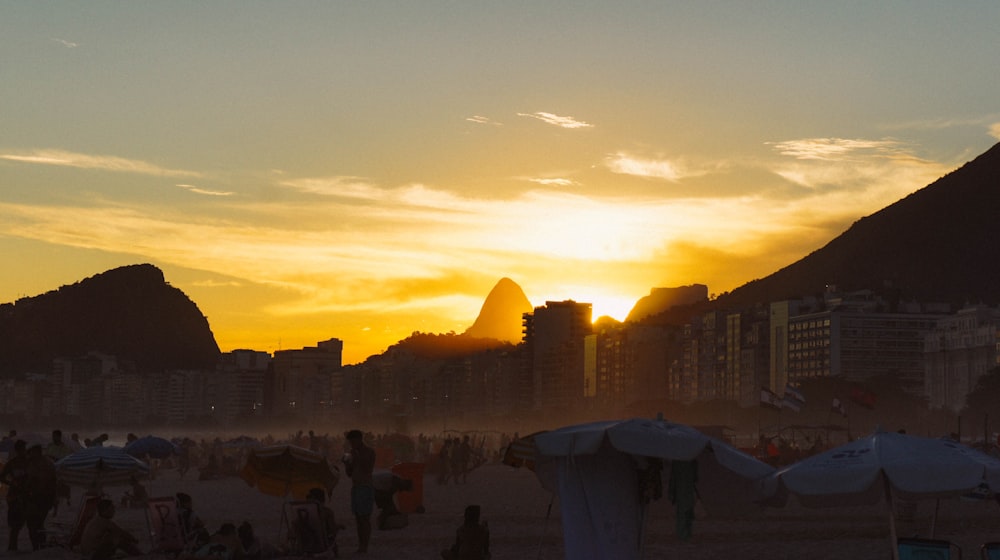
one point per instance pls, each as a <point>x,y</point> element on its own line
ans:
<point>101,466</point>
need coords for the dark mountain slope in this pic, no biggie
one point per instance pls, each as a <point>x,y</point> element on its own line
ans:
<point>129,312</point>
<point>940,244</point>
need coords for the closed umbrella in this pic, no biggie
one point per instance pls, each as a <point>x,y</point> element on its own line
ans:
<point>282,470</point>
<point>99,467</point>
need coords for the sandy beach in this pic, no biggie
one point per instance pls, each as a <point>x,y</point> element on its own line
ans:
<point>517,509</point>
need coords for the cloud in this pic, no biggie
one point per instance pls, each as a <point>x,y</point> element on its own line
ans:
<point>478,119</point>
<point>877,168</point>
<point>199,190</point>
<point>65,43</point>
<point>995,130</point>
<point>216,284</point>
<point>553,182</point>
<point>103,163</point>
<point>835,149</point>
<point>564,122</point>
<point>341,186</point>
<point>655,169</point>
<point>941,123</point>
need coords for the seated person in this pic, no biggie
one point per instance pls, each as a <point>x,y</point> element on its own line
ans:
<point>102,538</point>
<point>472,540</point>
<point>225,543</point>
<point>251,544</point>
<point>137,497</point>
<point>312,543</point>
<point>386,484</point>
<point>195,533</point>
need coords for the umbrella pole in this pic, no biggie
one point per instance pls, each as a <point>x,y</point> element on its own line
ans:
<point>937,505</point>
<point>545,525</point>
<point>892,518</point>
<point>642,526</point>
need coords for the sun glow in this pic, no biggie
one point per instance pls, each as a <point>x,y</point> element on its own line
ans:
<point>616,307</point>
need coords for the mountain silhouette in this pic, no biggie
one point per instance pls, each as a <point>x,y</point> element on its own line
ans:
<point>662,299</point>
<point>938,244</point>
<point>500,316</point>
<point>129,312</point>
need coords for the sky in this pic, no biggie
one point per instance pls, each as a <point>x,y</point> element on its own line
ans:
<point>365,170</point>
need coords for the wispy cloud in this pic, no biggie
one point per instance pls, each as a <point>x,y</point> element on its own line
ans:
<point>199,190</point>
<point>995,130</point>
<point>479,119</point>
<point>556,120</point>
<point>837,149</point>
<point>883,170</point>
<point>98,162</point>
<point>941,123</point>
<point>65,43</point>
<point>652,168</point>
<point>216,284</point>
<point>553,181</point>
<point>342,186</point>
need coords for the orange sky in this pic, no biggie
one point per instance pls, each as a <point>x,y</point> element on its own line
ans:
<point>363,171</point>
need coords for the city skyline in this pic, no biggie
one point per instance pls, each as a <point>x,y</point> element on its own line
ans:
<point>363,171</point>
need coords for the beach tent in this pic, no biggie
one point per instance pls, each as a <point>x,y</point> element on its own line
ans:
<point>884,466</point>
<point>605,472</point>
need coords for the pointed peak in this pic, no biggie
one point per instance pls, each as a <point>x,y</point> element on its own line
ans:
<point>500,316</point>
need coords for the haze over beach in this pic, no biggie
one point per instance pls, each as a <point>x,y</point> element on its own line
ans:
<point>366,170</point>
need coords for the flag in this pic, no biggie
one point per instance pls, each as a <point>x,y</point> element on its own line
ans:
<point>769,400</point>
<point>865,398</point>
<point>794,394</point>
<point>789,401</point>
<point>838,407</point>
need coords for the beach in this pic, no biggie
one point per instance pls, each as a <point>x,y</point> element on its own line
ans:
<point>522,525</point>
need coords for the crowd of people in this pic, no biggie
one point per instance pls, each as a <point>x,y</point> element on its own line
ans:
<point>33,490</point>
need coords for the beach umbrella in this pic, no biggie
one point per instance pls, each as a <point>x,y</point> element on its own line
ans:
<point>282,470</point>
<point>884,466</point>
<point>521,452</point>
<point>606,472</point>
<point>100,466</point>
<point>151,446</point>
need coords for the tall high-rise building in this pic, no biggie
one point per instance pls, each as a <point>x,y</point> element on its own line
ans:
<point>555,335</point>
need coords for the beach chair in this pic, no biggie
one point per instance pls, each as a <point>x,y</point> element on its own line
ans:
<point>165,531</point>
<point>928,549</point>
<point>306,534</point>
<point>990,551</point>
<point>69,537</point>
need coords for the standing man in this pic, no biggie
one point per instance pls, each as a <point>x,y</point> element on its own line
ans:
<point>359,464</point>
<point>15,476</point>
<point>41,494</point>
<point>58,448</point>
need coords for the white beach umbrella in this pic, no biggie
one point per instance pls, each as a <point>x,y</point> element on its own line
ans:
<point>884,466</point>
<point>596,469</point>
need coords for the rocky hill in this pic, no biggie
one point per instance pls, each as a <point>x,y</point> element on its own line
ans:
<point>130,312</point>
